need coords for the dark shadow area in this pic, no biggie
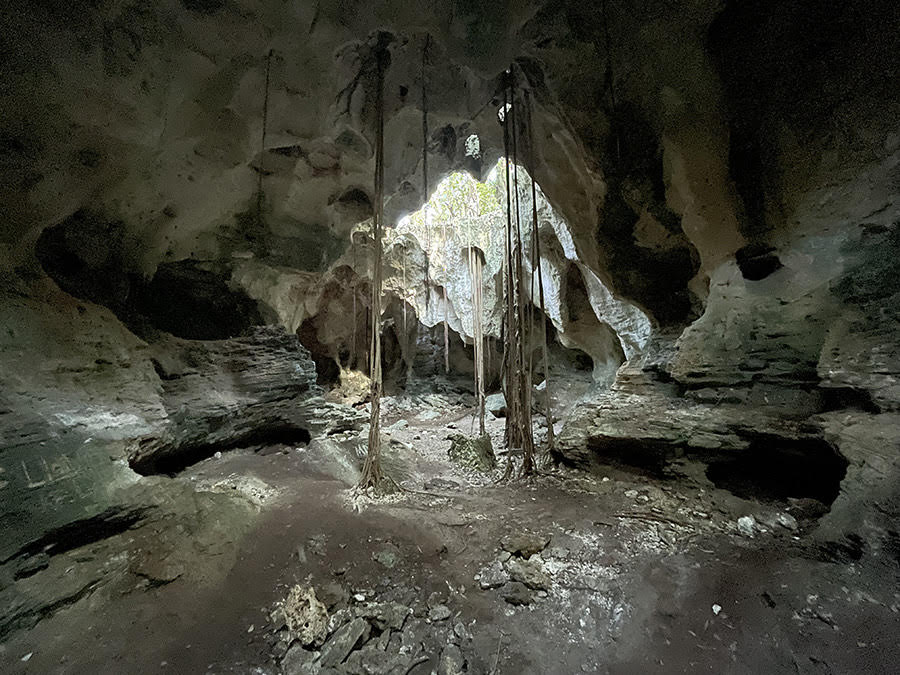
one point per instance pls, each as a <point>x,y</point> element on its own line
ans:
<point>757,261</point>
<point>844,398</point>
<point>89,257</point>
<point>81,533</point>
<point>775,469</point>
<point>177,461</point>
<point>640,457</point>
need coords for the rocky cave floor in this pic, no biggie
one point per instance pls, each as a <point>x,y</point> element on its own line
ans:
<point>614,572</point>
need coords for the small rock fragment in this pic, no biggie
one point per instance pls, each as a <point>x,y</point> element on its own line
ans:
<point>496,405</point>
<point>304,615</point>
<point>528,572</point>
<point>385,615</point>
<point>451,661</point>
<point>746,525</point>
<point>439,613</point>
<point>517,594</point>
<point>344,641</point>
<point>387,556</point>
<point>524,544</point>
<point>297,660</point>
<point>475,453</point>
<point>492,576</point>
<point>787,521</point>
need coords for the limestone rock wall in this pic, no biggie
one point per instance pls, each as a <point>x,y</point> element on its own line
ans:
<point>728,174</point>
<point>85,402</point>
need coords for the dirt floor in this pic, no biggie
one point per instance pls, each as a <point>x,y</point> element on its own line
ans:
<point>634,574</point>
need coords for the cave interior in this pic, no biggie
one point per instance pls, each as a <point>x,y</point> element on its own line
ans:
<point>608,289</point>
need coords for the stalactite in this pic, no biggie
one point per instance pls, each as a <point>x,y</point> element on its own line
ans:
<point>371,474</point>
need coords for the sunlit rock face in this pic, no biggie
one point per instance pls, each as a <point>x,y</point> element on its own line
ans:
<point>799,323</point>
<point>427,270</point>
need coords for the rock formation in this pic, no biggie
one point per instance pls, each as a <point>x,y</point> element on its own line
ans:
<point>185,260</point>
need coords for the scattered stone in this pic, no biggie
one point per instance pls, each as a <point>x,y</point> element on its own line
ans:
<point>399,425</point>
<point>344,641</point>
<point>557,552</point>
<point>787,521</point>
<point>528,572</point>
<point>317,544</point>
<point>451,661</point>
<point>746,525</point>
<point>476,453</point>
<point>370,660</point>
<point>517,594</point>
<point>492,576</point>
<point>439,613</point>
<point>441,484</point>
<point>496,405</point>
<point>304,615</point>
<point>716,609</point>
<point>333,594</point>
<point>427,415</point>
<point>631,494</point>
<point>524,544</point>
<point>297,660</point>
<point>388,556</point>
<point>385,615</point>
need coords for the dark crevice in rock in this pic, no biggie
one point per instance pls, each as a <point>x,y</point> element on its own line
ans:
<point>81,533</point>
<point>775,469</point>
<point>757,261</point>
<point>641,456</point>
<point>173,463</point>
<point>771,468</point>
<point>327,370</point>
<point>90,257</point>
<point>844,398</point>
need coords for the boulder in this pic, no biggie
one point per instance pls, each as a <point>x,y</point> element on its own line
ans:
<point>496,405</point>
<point>474,453</point>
